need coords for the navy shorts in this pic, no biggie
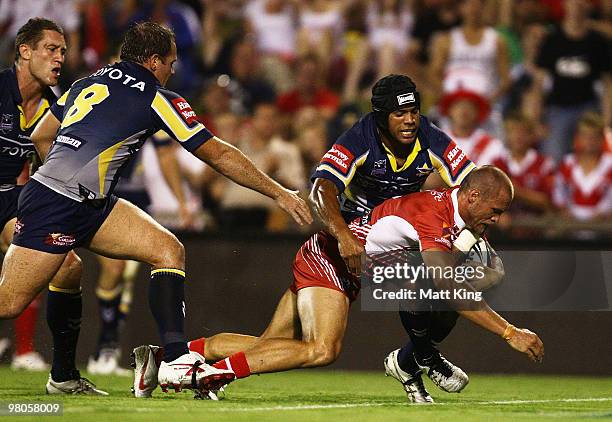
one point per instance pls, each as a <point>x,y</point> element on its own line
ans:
<point>50,222</point>
<point>8,205</point>
<point>139,198</point>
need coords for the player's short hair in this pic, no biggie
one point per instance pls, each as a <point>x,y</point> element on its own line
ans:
<point>144,40</point>
<point>32,32</point>
<point>489,180</point>
<point>591,119</point>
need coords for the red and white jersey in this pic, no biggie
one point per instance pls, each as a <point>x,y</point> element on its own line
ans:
<point>584,195</point>
<point>480,146</point>
<point>426,220</point>
<point>418,221</point>
<point>534,171</point>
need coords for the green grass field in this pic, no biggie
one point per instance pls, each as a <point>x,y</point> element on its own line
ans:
<point>332,395</point>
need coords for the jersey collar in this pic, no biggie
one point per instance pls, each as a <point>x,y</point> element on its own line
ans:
<point>409,160</point>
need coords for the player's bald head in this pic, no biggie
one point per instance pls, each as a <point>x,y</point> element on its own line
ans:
<point>489,181</point>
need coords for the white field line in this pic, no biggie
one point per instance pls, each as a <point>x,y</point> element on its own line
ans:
<point>341,406</point>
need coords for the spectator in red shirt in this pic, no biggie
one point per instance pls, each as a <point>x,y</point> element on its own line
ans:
<point>309,90</point>
<point>530,172</point>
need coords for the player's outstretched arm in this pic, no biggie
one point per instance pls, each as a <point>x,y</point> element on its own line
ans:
<point>44,134</point>
<point>232,163</point>
<point>479,312</point>
<point>324,199</point>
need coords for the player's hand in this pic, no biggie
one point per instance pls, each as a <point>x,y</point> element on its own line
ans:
<point>527,342</point>
<point>352,251</point>
<point>295,206</point>
<point>186,217</point>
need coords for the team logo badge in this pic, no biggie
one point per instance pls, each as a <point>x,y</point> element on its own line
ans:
<point>6,123</point>
<point>59,239</point>
<point>405,98</point>
<point>339,158</point>
<point>424,169</point>
<point>184,109</point>
<point>380,168</point>
<point>18,227</point>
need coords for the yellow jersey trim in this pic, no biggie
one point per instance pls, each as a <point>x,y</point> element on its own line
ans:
<point>409,160</point>
<point>104,160</point>
<point>175,123</point>
<point>42,107</point>
<point>345,179</point>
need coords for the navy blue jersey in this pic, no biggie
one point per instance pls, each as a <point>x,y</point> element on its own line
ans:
<point>15,144</point>
<point>105,119</point>
<point>366,172</point>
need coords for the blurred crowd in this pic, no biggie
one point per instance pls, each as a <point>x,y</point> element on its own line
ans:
<point>522,84</point>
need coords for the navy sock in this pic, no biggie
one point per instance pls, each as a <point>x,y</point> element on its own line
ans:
<point>405,359</point>
<point>442,323</point>
<point>167,303</point>
<point>64,311</point>
<point>417,325</point>
<point>109,320</point>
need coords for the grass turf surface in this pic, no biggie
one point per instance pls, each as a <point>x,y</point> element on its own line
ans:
<point>331,395</point>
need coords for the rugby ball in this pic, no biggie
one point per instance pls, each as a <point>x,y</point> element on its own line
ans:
<point>481,252</point>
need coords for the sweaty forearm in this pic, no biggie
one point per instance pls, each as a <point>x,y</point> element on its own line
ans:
<point>232,163</point>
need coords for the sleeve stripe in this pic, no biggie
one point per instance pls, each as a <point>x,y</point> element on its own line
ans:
<point>445,174</point>
<point>344,179</point>
<point>175,123</point>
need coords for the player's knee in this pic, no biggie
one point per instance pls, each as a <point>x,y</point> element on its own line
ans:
<point>69,276</point>
<point>324,354</point>
<point>11,308</point>
<point>171,253</point>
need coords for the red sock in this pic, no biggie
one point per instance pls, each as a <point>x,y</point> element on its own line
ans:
<point>197,346</point>
<point>236,363</point>
<point>25,326</point>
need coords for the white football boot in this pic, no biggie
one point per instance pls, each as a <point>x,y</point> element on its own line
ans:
<point>191,372</point>
<point>107,363</point>
<point>444,374</point>
<point>145,370</point>
<point>413,384</point>
<point>77,386</point>
<point>31,361</point>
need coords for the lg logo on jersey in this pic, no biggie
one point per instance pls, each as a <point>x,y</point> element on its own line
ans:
<point>17,152</point>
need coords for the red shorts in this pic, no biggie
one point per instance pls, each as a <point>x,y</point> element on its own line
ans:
<point>319,264</point>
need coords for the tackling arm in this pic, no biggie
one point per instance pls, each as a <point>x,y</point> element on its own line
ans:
<point>231,162</point>
<point>324,199</point>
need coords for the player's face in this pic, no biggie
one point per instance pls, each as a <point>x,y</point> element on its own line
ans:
<point>404,124</point>
<point>484,212</point>
<point>46,59</point>
<point>165,66</point>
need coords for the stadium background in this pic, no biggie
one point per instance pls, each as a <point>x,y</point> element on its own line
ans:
<point>235,279</point>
